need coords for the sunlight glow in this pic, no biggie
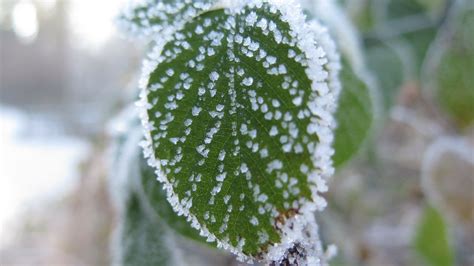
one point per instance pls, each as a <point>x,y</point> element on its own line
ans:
<point>25,21</point>
<point>92,22</point>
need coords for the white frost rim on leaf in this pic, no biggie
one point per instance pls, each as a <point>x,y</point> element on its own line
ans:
<point>322,105</point>
<point>123,180</point>
<point>334,59</point>
<point>330,13</point>
<point>157,32</point>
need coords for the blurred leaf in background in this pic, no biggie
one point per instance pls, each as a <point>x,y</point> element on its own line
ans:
<point>431,240</point>
<point>354,115</point>
<point>452,66</point>
<point>142,240</point>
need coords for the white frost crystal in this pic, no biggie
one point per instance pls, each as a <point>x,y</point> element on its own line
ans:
<point>300,242</point>
<point>139,18</point>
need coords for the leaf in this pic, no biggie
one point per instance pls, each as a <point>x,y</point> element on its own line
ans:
<point>129,171</point>
<point>138,239</point>
<point>155,196</point>
<point>142,241</point>
<point>452,64</point>
<point>155,18</point>
<point>144,235</point>
<point>354,115</point>
<point>431,240</point>
<point>236,116</point>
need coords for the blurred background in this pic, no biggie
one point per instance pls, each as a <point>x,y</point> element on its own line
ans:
<point>65,71</point>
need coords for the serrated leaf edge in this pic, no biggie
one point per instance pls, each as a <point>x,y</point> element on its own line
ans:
<point>301,228</point>
<point>156,32</point>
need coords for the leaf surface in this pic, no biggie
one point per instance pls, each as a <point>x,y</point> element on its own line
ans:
<point>155,196</point>
<point>142,240</point>
<point>453,73</point>
<point>238,122</point>
<point>431,240</point>
<point>154,18</point>
<point>354,116</point>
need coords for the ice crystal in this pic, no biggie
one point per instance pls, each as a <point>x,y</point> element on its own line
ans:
<point>229,123</point>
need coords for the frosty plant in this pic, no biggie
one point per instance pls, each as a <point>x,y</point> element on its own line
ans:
<point>237,107</point>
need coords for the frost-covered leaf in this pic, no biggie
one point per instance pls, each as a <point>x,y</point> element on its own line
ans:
<point>450,66</point>
<point>156,197</point>
<point>354,115</point>
<point>144,235</point>
<point>139,239</point>
<point>237,116</point>
<point>154,18</point>
<point>129,171</point>
<point>431,241</point>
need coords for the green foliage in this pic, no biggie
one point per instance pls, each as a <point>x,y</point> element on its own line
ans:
<point>237,110</point>
<point>155,18</point>
<point>234,124</point>
<point>157,200</point>
<point>354,116</point>
<point>142,240</point>
<point>431,240</point>
<point>454,72</point>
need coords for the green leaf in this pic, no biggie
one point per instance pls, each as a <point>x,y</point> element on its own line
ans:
<point>142,241</point>
<point>453,66</point>
<point>155,195</point>
<point>236,114</point>
<point>355,113</point>
<point>139,239</point>
<point>154,18</point>
<point>131,172</point>
<point>354,116</point>
<point>431,240</point>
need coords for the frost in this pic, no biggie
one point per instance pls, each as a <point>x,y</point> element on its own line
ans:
<point>254,220</point>
<point>211,125</point>
<point>214,76</point>
<point>156,19</point>
<point>271,60</point>
<point>196,110</point>
<point>248,81</point>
